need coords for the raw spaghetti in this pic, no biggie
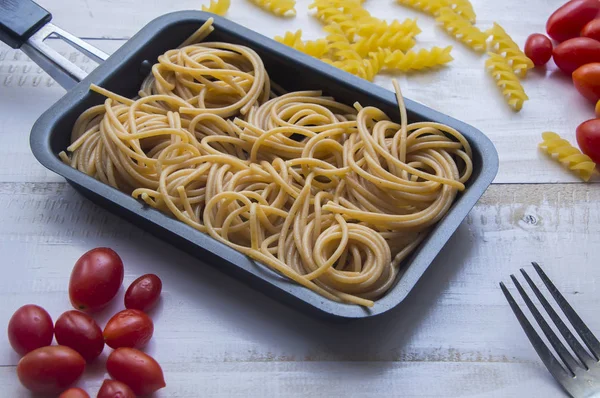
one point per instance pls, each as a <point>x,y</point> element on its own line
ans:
<point>331,196</point>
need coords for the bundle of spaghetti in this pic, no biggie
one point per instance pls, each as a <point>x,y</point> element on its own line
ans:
<point>330,196</point>
<point>282,8</point>
<point>501,71</point>
<point>316,48</point>
<point>501,43</point>
<point>572,158</point>
<point>221,77</point>
<point>348,14</point>
<point>461,29</point>
<point>219,7</point>
<point>413,60</point>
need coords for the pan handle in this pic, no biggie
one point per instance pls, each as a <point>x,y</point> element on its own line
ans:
<point>25,25</point>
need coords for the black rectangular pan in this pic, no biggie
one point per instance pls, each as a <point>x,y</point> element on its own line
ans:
<point>123,73</point>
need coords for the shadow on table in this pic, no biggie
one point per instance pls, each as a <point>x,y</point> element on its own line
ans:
<point>274,325</point>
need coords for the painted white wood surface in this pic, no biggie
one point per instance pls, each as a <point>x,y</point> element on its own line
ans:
<point>454,335</point>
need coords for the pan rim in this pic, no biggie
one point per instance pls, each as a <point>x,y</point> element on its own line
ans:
<point>413,270</point>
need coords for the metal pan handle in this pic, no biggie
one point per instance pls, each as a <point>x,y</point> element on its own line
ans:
<point>25,25</point>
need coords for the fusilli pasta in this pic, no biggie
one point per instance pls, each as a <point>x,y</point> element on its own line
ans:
<point>463,8</point>
<point>408,27</point>
<point>413,60</point>
<point>348,14</point>
<point>284,8</point>
<point>462,29</point>
<point>315,48</point>
<point>374,64</point>
<point>506,79</point>
<point>389,40</point>
<point>431,7</point>
<point>218,7</point>
<point>561,150</point>
<point>501,43</point>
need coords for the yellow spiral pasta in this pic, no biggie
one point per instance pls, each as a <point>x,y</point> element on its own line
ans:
<point>283,8</point>
<point>374,63</point>
<point>506,80</point>
<point>315,48</point>
<point>219,7</point>
<point>340,46</point>
<point>461,29</point>
<point>418,60</point>
<point>408,27</point>
<point>348,14</point>
<point>501,43</point>
<point>571,157</point>
<point>463,8</point>
<point>431,7</point>
<point>388,40</point>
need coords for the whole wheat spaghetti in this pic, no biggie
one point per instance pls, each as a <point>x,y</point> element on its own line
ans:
<point>331,196</point>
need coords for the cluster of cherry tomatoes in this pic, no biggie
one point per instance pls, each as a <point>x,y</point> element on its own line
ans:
<point>576,27</point>
<point>52,369</point>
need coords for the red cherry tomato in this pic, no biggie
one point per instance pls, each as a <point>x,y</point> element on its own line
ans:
<point>29,328</point>
<point>592,29</point>
<point>588,138</point>
<point>115,389</point>
<point>74,393</point>
<point>598,108</point>
<point>143,293</point>
<point>79,331</point>
<point>587,81</point>
<point>577,52</point>
<point>128,328</point>
<point>96,279</point>
<point>51,369</point>
<point>538,48</point>
<point>567,22</point>
<point>136,369</point>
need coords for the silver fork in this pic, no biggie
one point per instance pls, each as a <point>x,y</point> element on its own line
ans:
<point>580,377</point>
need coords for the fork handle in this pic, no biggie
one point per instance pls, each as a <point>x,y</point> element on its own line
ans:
<point>19,20</point>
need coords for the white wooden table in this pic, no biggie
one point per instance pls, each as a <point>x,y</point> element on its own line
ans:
<point>453,336</point>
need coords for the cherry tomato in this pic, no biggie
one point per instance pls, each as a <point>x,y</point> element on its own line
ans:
<point>143,293</point>
<point>588,138</point>
<point>587,81</point>
<point>577,52</point>
<point>50,369</point>
<point>74,393</point>
<point>96,279</point>
<point>538,48</point>
<point>598,108</point>
<point>567,22</point>
<point>592,29</point>
<point>79,331</point>
<point>136,369</point>
<point>128,328</point>
<point>115,389</point>
<point>29,328</point>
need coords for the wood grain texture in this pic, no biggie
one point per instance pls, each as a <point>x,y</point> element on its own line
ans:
<point>217,337</point>
<point>463,90</point>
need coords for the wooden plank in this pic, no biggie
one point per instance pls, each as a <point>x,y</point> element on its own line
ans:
<point>554,104</point>
<point>336,379</point>
<point>218,336</point>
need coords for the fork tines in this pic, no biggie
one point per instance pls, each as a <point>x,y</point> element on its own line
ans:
<point>580,378</point>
